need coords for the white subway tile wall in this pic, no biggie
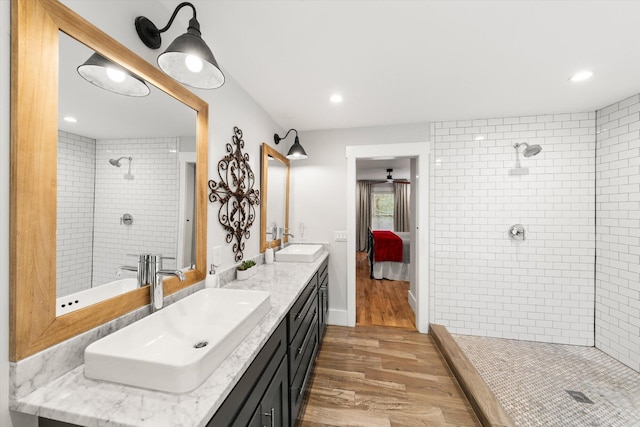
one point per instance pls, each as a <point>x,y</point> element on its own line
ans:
<point>618,231</point>
<point>482,282</point>
<point>74,233</point>
<point>93,196</point>
<point>151,197</point>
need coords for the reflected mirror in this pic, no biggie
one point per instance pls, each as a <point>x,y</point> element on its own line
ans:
<point>38,98</point>
<point>274,186</point>
<point>120,160</point>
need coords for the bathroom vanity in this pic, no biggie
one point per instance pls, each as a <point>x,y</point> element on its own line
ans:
<point>291,349</point>
<point>263,382</point>
<point>273,389</point>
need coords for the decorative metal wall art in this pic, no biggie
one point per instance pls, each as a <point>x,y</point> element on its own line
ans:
<point>235,192</point>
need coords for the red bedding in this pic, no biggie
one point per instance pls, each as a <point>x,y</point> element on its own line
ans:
<point>387,246</point>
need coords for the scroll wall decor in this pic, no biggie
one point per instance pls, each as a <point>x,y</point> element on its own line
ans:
<point>235,192</point>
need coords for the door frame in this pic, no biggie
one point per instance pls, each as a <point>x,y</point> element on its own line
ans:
<point>420,151</point>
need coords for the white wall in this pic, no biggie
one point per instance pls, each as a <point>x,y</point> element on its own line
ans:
<point>319,197</point>
<point>5,62</point>
<point>483,283</point>
<point>618,231</point>
<point>74,227</point>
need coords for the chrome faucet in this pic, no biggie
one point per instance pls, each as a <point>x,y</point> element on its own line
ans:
<point>281,233</point>
<point>150,272</point>
<point>141,270</point>
<point>156,274</point>
<point>270,231</point>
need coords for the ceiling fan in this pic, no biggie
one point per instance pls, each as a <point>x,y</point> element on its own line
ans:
<point>391,180</point>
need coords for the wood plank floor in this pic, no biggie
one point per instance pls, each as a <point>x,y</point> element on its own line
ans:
<point>381,302</point>
<point>387,377</point>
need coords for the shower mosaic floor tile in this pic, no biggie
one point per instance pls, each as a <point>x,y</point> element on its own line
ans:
<point>532,381</point>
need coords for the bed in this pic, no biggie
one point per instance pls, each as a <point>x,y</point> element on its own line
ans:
<point>389,255</point>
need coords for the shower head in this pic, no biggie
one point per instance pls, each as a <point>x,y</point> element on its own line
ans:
<point>530,150</point>
<point>116,162</point>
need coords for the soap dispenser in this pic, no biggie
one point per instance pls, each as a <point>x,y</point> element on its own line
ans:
<point>268,254</point>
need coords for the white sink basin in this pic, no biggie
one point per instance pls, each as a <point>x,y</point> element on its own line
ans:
<point>165,351</point>
<point>299,253</point>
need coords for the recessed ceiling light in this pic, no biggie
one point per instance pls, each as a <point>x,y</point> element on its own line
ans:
<point>70,119</point>
<point>581,76</point>
<point>336,98</point>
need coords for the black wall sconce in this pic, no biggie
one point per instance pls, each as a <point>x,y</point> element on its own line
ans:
<point>188,59</point>
<point>296,152</point>
<point>110,76</point>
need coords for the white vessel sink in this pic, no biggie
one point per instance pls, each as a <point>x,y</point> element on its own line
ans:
<point>165,351</point>
<point>299,253</point>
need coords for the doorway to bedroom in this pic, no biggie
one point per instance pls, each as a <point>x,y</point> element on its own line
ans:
<point>374,303</point>
<point>383,212</point>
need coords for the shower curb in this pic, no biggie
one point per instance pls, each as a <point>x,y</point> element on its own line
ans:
<point>484,403</point>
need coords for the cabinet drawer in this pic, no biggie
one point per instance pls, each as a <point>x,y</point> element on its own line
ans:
<point>303,339</point>
<point>300,379</point>
<point>301,306</point>
<point>323,274</point>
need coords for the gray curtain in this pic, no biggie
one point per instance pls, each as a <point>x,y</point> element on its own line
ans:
<point>363,213</point>
<point>401,206</point>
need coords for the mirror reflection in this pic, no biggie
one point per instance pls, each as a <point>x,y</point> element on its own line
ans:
<point>274,210</point>
<point>126,177</point>
<point>276,202</point>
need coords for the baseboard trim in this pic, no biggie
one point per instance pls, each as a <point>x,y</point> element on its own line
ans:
<point>484,403</point>
<point>412,301</point>
<point>338,317</point>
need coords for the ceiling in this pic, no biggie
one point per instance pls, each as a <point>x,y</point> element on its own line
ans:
<point>398,62</point>
<point>376,168</point>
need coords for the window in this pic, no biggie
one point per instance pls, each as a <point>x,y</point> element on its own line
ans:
<point>382,211</point>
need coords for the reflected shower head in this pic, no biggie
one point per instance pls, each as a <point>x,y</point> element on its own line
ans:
<point>530,150</point>
<point>116,162</point>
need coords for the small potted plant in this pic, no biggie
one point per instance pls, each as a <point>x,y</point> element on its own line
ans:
<point>245,270</point>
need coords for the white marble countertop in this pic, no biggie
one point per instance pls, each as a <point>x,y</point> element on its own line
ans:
<point>75,399</point>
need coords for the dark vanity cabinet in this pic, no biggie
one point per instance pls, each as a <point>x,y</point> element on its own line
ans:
<point>303,343</point>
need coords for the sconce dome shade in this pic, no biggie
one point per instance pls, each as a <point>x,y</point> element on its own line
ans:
<point>296,152</point>
<point>174,62</point>
<point>110,76</point>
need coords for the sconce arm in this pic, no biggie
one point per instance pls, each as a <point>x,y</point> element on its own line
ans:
<point>175,12</point>
<point>277,138</point>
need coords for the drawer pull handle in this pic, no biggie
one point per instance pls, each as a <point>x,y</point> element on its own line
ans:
<point>271,415</point>
<point>307,374</point>
<point>306,338</point>
<point>303,309</point>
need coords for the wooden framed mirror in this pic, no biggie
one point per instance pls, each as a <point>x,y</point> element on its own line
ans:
<point>36,25</point>
<point>274,187</point>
